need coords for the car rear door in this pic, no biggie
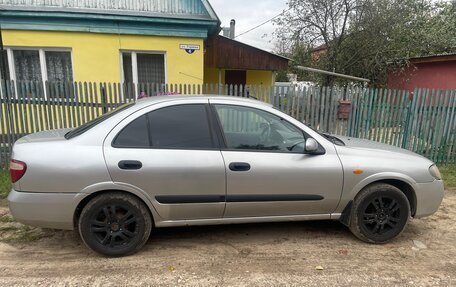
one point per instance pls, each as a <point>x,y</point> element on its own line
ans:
<point>264,177</point>
<point>168,151</point>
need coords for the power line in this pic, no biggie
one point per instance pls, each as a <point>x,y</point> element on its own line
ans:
<point>262,24</point>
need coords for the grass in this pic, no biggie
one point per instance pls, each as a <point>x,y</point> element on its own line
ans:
<point>5,184</point>
<point>6,219</point>
<point>17,233</point>
<point>449,175</point>
<point>11,231</point>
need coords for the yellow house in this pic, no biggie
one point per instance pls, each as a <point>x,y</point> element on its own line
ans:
<point>130,42</point>
<point>153,41</point>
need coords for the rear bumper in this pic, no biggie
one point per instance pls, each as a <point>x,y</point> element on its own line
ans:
<point>47,210</point>
<point>429,196</point>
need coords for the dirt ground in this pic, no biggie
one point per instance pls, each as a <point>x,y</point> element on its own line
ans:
<point>277,254</point>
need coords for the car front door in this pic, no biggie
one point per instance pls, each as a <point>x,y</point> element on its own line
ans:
<point>169,152</point>
<point>268,172</point>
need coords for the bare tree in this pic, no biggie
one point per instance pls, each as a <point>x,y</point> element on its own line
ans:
<point>318,22</point>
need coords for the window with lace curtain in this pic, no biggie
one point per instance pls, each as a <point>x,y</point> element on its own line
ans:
<point>41,65</point>
<point>38,65</point>
<point>27,65</point>
<point>58,66</point>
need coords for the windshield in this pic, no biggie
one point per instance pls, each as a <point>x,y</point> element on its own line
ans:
<point>87,126</point>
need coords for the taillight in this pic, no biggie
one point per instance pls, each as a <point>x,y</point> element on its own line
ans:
<point>17,170</point>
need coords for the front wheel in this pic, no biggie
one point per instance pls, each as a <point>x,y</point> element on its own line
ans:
<point>379,213</point>
<point>115,224</point>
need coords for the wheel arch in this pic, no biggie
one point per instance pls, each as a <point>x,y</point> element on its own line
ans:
<point>80,206</point>
<point>407,189</point>
<point>403,184</point>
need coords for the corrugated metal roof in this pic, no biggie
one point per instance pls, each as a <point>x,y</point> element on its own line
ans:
<point>442,57</point>
<point>199,9</point>
<point>434,55</point>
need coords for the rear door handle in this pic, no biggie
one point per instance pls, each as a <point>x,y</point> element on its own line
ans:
<point>130,164</point>
<point>239,166</point>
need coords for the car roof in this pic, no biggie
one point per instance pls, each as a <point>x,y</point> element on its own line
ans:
<point>158,99</point>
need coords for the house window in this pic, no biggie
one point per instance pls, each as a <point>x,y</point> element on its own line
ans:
<point>4,72</point>
<point>141,68</point>
<point>31,64</point>
<point>39,65</point>
<point>27,65</point>
<point>127,68</point>
<point>58,66</point>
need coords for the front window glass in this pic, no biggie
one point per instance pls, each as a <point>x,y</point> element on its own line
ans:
<point>252,129</point>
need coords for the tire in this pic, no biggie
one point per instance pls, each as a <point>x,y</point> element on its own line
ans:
<point>379,213</point>
<point>115,224</point>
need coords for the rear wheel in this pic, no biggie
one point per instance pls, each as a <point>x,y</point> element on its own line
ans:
<point>379,213</point>
<point>115,224</point>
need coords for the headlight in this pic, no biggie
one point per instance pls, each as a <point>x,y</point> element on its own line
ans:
<point>434,171</point>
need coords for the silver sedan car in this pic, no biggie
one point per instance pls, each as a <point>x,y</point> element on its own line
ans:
<point>201,160</point>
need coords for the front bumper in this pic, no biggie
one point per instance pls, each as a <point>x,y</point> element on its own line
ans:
<point>429,196</point>
<point>47,210</point>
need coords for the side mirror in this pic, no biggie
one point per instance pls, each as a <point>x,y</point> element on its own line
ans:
<point>311,146</point>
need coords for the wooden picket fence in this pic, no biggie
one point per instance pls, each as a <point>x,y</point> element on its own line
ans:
<point>423,121</point>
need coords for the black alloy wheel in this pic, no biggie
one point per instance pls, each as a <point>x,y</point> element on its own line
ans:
<point>379,213</point>
<point>115,224</point>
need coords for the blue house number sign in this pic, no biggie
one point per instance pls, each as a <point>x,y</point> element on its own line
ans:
<point>190,48</point>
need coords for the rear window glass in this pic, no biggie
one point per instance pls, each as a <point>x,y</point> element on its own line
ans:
<point>184,126</point>
<point>134,135</point>
<point>87,126</point>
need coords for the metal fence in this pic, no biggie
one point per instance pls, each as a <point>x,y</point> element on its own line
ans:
<point>423,121</point>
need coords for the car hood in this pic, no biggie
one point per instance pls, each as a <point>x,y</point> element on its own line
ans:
<point>372,145</point>
<point>45,136</point>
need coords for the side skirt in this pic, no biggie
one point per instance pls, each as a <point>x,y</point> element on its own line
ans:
<point>242,220</point>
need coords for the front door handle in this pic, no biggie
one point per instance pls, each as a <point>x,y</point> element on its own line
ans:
<point>130,164</point>
<point>239,166</point>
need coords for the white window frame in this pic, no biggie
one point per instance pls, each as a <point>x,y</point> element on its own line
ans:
<point>42,54</point>
<point>134,65</point>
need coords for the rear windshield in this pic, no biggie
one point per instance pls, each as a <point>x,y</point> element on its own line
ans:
<point>87,126</point>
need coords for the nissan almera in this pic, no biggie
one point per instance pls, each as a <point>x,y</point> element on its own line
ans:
<point>202,160</point>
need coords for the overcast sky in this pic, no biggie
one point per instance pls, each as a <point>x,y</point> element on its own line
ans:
<point>248,14</point>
